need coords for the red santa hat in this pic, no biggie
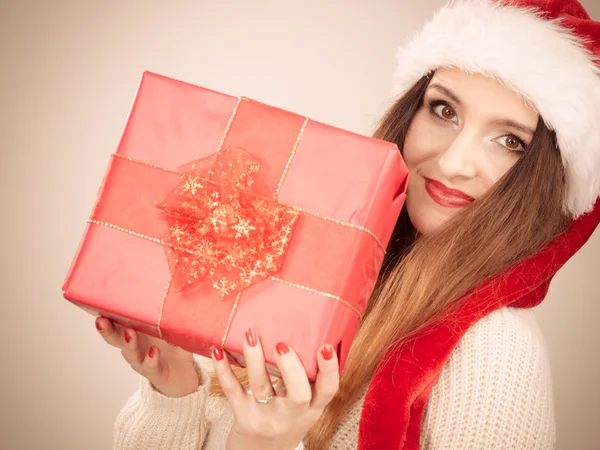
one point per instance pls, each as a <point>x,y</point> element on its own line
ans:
<point>546,50</point>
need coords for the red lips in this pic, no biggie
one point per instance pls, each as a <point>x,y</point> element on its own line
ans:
<point>444,196</point>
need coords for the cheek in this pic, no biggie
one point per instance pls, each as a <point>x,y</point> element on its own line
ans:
<point>493,168</point>
<point>423,142</point>
<point>425,216</point>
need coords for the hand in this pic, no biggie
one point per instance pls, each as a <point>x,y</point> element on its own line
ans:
<point>281,423</point>
<point>170,369</point>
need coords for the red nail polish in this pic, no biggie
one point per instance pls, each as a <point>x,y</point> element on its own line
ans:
<point>327,352</point>
<point>98,326</point>
<point>127,336</point>
<point>251,337</point>
<point>218,353</point>
<point>151,352</point>
<point>282,348</point>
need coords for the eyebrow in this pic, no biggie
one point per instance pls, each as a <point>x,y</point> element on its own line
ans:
<point>506,122</point>
<point>516,125</point>
<point>446,91</point>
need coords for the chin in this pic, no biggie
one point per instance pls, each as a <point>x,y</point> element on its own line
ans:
<point>425,220</point>
<point>422,224</point>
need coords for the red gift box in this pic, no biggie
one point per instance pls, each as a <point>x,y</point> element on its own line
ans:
<point>218,213</point>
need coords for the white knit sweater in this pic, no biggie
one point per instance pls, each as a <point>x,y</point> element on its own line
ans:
<point>495,392</point>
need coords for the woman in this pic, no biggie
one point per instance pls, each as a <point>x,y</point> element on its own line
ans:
<point>498,123</point>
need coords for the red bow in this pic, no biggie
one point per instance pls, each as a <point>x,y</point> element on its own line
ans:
<point>220,230</point>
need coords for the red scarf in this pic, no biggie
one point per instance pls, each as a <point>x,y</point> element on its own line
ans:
<point>397,396</point>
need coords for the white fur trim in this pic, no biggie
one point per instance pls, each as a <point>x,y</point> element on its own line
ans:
<point>538,58</point>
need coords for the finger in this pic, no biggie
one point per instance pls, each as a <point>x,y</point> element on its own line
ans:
<point>151,364</point>
<point>258,378</point>
<point>235,394</point>
<point>293,375</point>
<point>108,331</point>
<point>328,377</point>
<point>130,349</point>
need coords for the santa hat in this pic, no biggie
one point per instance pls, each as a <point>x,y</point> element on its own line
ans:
<point>546,50</point>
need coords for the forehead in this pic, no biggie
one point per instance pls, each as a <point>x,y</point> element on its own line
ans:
<point>485,95</point>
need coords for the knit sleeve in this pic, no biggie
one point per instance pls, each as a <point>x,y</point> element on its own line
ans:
<point>151,420</point>
<point>496,389</point>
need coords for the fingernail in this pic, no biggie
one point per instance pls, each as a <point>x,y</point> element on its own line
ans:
<point>282,348</point>
<point>98,326</point>
<point>327,352</point>
<point>251,337</point>
<point>151,352</point>
<point>218,353</point>
<point>127,336</point>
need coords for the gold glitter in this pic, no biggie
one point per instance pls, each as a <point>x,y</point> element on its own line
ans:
<point>125,230</point>
<point>314,291</point>
<point>339,222</point>
<point>228,126</point>
<point>162,304</point>
<point>225,133</point>
<point>243,228</point>
<point>233,309</point>
<point>116,155</point>
<point>223,240</point>
<point>287,166</point>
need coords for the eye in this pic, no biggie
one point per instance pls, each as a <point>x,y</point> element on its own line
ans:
<point>442,110</point>
<point>512,143</point>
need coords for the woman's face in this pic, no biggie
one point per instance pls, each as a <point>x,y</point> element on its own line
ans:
<point>469,131</point>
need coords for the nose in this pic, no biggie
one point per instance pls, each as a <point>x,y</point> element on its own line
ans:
<point>459,159</point>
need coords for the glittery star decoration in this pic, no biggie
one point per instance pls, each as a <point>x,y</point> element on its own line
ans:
<point>220,231</point>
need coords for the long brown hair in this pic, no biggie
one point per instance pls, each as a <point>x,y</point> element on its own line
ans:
<point>424,276</point>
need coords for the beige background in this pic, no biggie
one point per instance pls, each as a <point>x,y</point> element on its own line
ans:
<point>69,71</point>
